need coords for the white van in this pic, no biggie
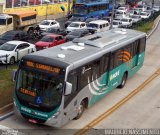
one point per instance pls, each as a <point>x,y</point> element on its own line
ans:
<point>98,26</point>
<point>120,13</point>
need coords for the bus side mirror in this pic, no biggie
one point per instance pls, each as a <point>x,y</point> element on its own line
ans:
<point>13,75</point>
<point>68,89</point>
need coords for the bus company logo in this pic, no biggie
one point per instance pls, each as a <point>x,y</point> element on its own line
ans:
<point>84,69</point>
<point>114,75</point>
<point>125,56</point>
<point>95,87</point>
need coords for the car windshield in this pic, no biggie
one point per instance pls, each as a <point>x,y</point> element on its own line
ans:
<point>143,13</point>
<point>47,39</point>
<point>115,23</point>
<point>51,30</point>
<point>119,13</point>
<point>121,8</point>
<point>39,88</point>
<point>75,33</point>
<point>135,17</point>
<point>7,47</point>
<point>93,25</point>
<point>45,23</point>
<point>2,21</point>
<point>89,20</point>
<point>124,20</point>
<point>7,36</point>
<point>74,25</point>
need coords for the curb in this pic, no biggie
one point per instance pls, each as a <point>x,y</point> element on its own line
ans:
<point>157,21</point>
<point>6,111</point>
<point>6,115</point>
<point>10,106</point>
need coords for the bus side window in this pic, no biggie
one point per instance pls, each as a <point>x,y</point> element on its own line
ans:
<point>105,63</point>
<point>111,62</point>
<point>135,48</point>
<point>9,21</point>
<point>142,45</point>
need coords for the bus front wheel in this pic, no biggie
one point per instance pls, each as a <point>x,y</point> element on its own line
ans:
<point>123,82</point>
<point>81,109</point>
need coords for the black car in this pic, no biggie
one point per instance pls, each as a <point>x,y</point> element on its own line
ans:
<point>76,34</point>
<point>13,35</point>
<point>73,19</point>
<point>54,31</point>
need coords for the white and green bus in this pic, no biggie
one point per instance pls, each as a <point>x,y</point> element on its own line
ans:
<point>55,85</point>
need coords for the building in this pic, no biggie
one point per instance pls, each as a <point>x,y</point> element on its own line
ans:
<point>42,7</point>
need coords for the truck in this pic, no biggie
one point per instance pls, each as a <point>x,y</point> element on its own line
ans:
<point>18,20</point>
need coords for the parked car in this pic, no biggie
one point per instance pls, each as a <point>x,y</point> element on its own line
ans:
<point>54,31</point>
<point>49,41</point>
<point>77,34</point>
<point>76,25</point>
<point>10,50</point>
<point>45,24</point>
<point>122,9</point>
<point>126,22</point>
<point>142,7</point>
<point>120,13</point>
<point>98,26</point>
<point>156,8</point>
<point>13,35</point>
<point>135,18</point>
<point>116,24</point>
<point>145,15</point>
<point>73,19</point>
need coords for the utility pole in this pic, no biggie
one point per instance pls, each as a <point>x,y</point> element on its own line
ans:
<point>69,3</point>
<point>113,2</point>
<point>152,3</point>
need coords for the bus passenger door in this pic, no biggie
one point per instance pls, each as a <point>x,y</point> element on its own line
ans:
<point>105,70</point>
<point>70,101</point>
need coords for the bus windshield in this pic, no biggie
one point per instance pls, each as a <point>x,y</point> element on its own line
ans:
<point>39,89</point>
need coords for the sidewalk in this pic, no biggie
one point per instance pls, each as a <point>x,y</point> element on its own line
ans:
<point>57,17</point>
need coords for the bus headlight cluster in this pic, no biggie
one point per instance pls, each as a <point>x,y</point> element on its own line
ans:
<point>56,114</point>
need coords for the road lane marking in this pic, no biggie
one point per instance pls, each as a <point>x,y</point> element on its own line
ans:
<point>118,105</point>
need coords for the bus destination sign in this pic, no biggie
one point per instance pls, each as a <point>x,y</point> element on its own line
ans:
<point>43,67</point>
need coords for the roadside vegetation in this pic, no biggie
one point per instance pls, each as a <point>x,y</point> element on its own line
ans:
<point>146,27</point>
<point>6,86</point>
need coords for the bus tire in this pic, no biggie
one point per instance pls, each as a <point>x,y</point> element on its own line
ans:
<point>81,109</point>
<point>123,81</point>
<point>12,60</point>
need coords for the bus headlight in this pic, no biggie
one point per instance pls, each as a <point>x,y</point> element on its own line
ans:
<point>56,114</point>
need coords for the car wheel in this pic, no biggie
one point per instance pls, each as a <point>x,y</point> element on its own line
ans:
<point>12,60</point>
<point>81,109</point>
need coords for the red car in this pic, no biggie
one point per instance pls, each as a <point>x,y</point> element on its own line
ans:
<point>50,41</point>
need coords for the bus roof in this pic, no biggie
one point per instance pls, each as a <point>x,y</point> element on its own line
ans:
<point>23,13</point>
<point>89,48</point>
